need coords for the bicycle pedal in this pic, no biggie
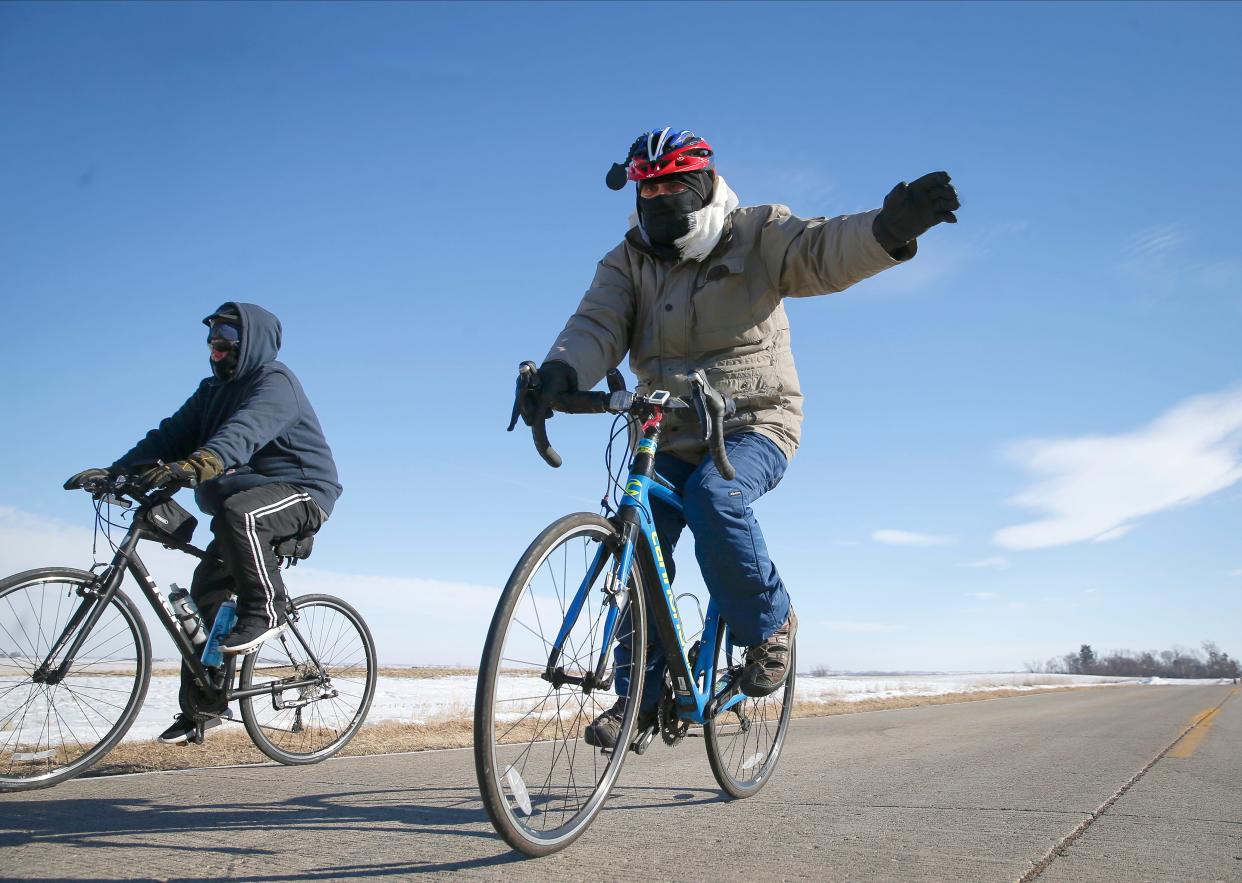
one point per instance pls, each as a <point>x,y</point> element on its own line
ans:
<point>644,740</point>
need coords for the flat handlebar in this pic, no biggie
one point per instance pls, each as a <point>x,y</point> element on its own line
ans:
<point>117,490</point>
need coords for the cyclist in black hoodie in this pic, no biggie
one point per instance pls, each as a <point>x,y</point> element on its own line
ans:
<point>250,444</point>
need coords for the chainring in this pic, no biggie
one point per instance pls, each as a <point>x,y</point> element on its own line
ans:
<point>672,728</point>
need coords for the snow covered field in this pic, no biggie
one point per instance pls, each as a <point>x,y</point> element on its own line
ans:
<point>422,699</point>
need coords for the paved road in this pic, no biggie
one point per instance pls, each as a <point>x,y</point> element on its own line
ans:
<point>1082,786</point>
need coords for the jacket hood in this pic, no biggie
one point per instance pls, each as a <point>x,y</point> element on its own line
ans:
<point>260,335</point>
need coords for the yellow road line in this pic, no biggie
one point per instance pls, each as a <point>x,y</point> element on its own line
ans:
<point>1199,726</point>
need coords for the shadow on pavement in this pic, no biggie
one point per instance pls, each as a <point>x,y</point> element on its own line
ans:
<point>155,824</point>
<point>85,821</point>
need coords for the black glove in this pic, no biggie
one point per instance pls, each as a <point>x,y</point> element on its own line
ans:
<point>200,466</point>
<point>910,210</point>
<point>87,475</point>
<point>554,379</point>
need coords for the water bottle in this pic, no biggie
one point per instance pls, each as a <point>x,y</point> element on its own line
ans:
<point>187,614</point>
<point>226,618</point>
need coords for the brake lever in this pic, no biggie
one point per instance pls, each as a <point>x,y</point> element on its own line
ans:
<point>700,408</point>
<point>104,491</point>
<point>711,416</point>
<point>527,379</point>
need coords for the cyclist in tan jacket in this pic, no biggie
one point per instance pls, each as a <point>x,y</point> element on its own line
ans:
<point>699,283</point>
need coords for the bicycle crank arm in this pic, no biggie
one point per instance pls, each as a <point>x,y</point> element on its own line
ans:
<point>722,699</point>
<point>644,740</point>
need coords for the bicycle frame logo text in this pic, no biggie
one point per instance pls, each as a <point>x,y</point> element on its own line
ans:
<point>666,585</point>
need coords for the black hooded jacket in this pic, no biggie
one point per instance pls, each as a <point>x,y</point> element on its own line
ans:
<point>259,423</point>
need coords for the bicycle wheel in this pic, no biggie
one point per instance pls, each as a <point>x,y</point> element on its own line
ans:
<point>744,743</point>
<point>52,732</point>
<point>541,783</point>
<point>326,641</point>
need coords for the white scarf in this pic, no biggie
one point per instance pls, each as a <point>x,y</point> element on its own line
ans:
<point>706,224</point>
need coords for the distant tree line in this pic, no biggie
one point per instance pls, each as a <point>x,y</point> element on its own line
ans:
<point>1175,663</point>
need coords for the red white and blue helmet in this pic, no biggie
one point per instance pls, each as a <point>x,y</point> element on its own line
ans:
<point>662,152</point>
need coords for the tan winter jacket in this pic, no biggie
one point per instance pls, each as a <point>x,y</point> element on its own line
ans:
<point>723,314</point>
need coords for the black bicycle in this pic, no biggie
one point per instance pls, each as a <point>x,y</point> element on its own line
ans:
<point>75,657</point>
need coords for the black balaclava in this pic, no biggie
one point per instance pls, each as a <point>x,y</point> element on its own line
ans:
<point>665,219</point>
<point>223,369</point>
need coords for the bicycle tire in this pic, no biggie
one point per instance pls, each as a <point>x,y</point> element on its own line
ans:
<point>743,769</point>
<point>551,817</point>
<point>112,667</point>
<point>343,645</point>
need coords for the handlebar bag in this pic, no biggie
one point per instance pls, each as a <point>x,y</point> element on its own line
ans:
<point>171,518</point>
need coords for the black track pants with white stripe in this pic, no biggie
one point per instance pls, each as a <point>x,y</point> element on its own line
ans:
<point>245,528</point>
<point>244,531</point>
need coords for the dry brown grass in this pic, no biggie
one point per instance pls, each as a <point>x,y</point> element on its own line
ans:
<point>229,744</point>
<point>824,709</point>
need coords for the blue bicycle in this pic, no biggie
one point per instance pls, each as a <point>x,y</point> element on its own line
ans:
<point>587,584</point>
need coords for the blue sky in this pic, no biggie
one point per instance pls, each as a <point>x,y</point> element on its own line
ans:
<point>417,191</point>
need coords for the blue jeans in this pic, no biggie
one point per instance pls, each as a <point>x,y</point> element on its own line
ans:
<point>729,546</point>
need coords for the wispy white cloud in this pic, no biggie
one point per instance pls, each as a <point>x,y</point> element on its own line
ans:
<point>1237,572</point>
<point>983,596</point>
<point>1156,240</point>
<point>838,626</point>
<point>910,538</point>
<point>1095,488</point>
<point>996,562</point>
<point>1162,261</point>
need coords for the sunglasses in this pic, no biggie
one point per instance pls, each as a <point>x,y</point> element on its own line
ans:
<point>223,337</point>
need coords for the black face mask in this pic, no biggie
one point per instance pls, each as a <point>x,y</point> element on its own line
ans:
<point>667,218</point>
<point>226,367</point>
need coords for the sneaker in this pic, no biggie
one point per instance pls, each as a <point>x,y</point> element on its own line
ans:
<point>250,632</point>
<point>183,727</point>
<point>767,664</point>
<point>604,730</point>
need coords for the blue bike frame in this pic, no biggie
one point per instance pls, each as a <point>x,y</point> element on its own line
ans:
<point>699,697</point>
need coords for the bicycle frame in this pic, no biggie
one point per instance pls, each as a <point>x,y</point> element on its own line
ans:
<point>97,596</point>
<point>698,696</point>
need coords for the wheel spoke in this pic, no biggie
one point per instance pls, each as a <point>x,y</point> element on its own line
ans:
<point>546,783</point>
<point>744,743</point>
<point>55,730</point>
<point>320,718</point>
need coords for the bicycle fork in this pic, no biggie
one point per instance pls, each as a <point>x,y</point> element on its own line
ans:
<point>95,597</point>
<point>617,577</point>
